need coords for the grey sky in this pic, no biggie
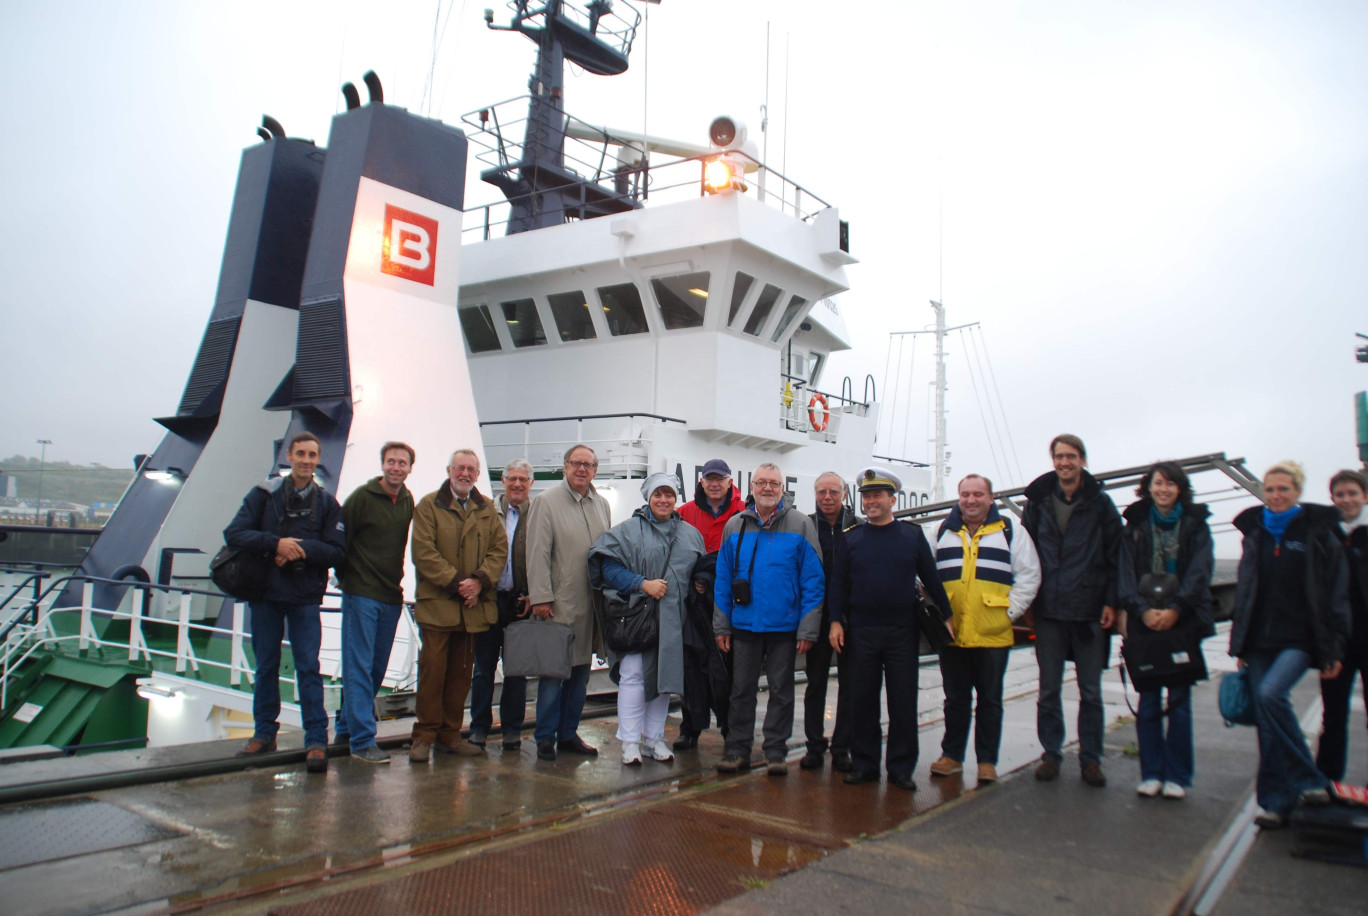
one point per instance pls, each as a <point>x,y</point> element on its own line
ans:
<point>1158,211</point>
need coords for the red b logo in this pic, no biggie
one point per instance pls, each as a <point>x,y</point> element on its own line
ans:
<point>409,248</point>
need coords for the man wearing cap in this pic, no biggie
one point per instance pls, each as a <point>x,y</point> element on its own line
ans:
<point>874,593</point>
<point>991,572</point>
<point>832,518</point>
<point>767,604</point>
<point>715,501</point>
<point>1077,530</point>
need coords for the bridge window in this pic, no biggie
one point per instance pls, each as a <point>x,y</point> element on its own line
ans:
<point>763,306</point>
<point>524,324</point>
<point>796,305</point>
<point>743,285</point>
<point>622,309</point>
<point>479,329</point>
<point>682,299</point>
<point>572,316</point>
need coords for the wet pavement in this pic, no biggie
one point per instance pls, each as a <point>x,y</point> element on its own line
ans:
<point>508,833</point>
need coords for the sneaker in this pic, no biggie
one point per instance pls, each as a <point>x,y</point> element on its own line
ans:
<point>371,754</point>
<point>419,750</point>
<point>685,742</point>
<point>776,768</point>
<point>478,737</point>
<point>987,772</point>
<point>258,746</point>
<point>812,760</point>
<point>657,750</point>
<point>733,763</point>
<point>1269,820</point>
<point>1048,770</point>
<point>316,758</point>
<point>1149,788</point>
<point>631,755</point>
<point>946,766</point>
<point>1173,790</point>
<point>1092,774</point>
<point>1315,798</point>
<point>841,762</point>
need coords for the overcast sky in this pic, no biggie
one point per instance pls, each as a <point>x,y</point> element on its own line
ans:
<point>1158,211</point>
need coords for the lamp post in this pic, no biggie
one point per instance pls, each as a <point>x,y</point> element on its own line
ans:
<point>42,460</point>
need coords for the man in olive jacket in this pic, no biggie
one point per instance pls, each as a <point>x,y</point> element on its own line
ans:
<point>459,549</point>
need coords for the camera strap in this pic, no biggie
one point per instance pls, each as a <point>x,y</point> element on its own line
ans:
<point>741,539</point>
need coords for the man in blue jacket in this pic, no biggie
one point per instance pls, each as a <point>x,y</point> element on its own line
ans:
<point>767,606</point>
<point>298,523</point>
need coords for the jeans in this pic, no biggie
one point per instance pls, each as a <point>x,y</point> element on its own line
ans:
<point>965,672</point>
<point>1286,768</point>
<point>368,629</point>
<point>513,700</point>
<point>776,653</point>
<point>560,705</point>
<point>818,669</point>
<point>1055,640</point>
<point>1166,757</point>
<point>306,636</point>
<point>1333,751</point>
<point>638,717</point>
<point>879,654</point>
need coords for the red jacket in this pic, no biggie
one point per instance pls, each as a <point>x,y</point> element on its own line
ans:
<point>698,514</point>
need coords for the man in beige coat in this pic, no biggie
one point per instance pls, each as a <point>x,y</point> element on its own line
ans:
<point>459,549</point>
<point>562,525</point>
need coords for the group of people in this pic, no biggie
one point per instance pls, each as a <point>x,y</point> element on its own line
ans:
<point>739,586</point>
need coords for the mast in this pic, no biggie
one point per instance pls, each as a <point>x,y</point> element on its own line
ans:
<point>939,441</point>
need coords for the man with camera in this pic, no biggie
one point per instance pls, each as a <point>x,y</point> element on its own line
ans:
<point>767,606</point>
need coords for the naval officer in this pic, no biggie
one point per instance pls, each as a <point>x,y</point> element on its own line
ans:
<point>874,600</point>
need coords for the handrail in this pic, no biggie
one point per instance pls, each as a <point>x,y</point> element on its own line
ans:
<point>35,578</point>
<point>869,383</point>
<point>588,416</point>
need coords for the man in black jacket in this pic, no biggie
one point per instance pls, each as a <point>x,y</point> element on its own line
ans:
<point>1077,531</point>
<point>298,523</point>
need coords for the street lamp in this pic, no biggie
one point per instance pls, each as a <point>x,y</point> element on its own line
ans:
<point>41,462</point>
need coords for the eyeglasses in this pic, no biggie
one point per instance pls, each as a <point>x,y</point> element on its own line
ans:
<point>469,469</point>
<point>582,465</point>
<point>767,484</point>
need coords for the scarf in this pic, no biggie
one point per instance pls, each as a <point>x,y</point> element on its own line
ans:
<point>1275,523</point>
<point>1359,522</point>
<point>1164,543</point>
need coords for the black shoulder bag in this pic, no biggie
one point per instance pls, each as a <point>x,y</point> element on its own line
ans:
<point>633,621</point>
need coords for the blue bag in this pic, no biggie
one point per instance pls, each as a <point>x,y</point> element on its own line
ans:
<point>1237,704</point>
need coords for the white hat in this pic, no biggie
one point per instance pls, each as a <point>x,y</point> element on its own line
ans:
<point>878,478</point>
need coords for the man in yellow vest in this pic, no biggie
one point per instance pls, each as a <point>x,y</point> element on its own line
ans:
<point>991,572</point>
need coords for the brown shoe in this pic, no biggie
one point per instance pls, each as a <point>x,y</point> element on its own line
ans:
<point>1048,771</point>
<point>316,758</point>
<point>419,750</point>
<point>258,746</point>
<point>946,766</point>
<point>460,749</point>
<point>1092,774</point>
<point>987,773</point>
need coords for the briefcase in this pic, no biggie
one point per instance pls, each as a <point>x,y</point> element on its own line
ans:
<point>538,648</point>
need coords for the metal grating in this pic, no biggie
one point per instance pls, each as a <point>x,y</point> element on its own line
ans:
<point>321,354</point>
<point>71,827</point>
<point>211,363</point>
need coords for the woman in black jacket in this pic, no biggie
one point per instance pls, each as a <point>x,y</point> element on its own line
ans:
<point>1291,614</point>
<point>1347,490</point>
<point>1166,537</point>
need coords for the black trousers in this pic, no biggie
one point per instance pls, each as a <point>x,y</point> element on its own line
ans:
<point>879,654</point>
<point>1332,754</point>
<point>818,668</point>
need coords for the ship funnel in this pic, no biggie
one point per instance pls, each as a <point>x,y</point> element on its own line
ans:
<point>351,95</point>
<point>377,93</point>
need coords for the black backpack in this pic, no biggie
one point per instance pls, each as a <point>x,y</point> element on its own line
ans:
<point>245,575</point>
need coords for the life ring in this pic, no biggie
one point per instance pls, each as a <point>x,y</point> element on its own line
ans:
<point>825,413</point>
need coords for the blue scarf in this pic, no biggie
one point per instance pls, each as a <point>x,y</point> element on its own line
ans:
<point>1160,520</point>
<point>1275,523</point>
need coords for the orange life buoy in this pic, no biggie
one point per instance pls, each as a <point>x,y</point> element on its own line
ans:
<point>819,398</point>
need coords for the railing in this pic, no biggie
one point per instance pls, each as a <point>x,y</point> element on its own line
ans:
<point>626,452</point>
<point>800,410</point>
<point>629,175</point>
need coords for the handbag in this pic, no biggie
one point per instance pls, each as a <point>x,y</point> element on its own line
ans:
<point>932,628</point>
<point>538,648</point>
<point>1164,658</point>
<point>632,623</point>
<point>240,573</point>
<point>1237,705</point>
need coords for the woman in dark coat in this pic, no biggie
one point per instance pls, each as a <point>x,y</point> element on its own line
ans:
<point>1166,534</point>
<point>1348,490</point>
<point>1291,614</point>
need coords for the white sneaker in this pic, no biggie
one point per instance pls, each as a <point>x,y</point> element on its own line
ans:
<point>1173,790</point>
<point>631,755</point>
<point>657,749</point>
<point>1149,788</point>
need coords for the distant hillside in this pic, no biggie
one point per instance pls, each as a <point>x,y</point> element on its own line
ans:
<point>84,484</point>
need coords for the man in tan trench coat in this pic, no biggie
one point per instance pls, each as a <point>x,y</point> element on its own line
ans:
<point>459,549</point>
<point>563,523</point>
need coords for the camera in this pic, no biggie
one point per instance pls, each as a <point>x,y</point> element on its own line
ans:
<point>741,591</point>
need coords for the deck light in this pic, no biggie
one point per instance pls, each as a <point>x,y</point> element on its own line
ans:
<point>723,173</point>
<point>700,293</point>
<point>150,691</point>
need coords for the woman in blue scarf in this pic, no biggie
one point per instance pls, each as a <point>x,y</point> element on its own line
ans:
<point>1163,584</point>
<point>1291,614</point>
